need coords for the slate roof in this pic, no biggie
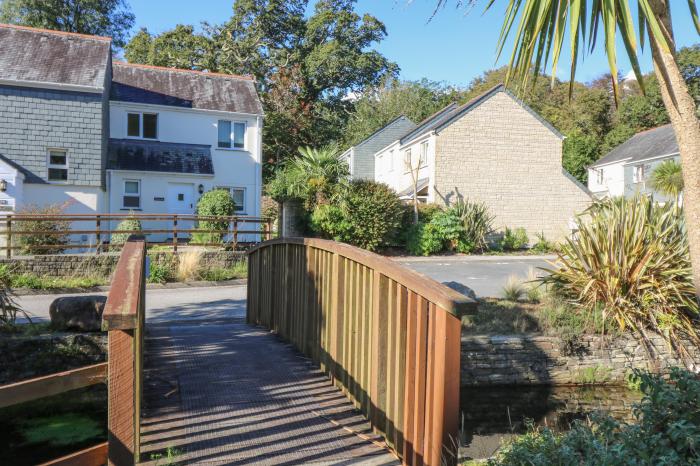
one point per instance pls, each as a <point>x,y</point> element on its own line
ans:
<point>385,127</point>
<point>184,88</point>
<point>54,57</point>
<point>14,165</point>
<point>452,112</point>
<point>421,185</point>
<point>156,156</point>
<point>647,144</point>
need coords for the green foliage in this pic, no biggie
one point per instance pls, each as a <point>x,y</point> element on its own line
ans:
<point>542,245</point>
<point>181,47</point>
<point>579,152</point>
<point>160,273</point>
<point>32,242</point>
<point>593,375</point>
<point>8,306</point>
<point>111,18</point>
<point>630,257</point>
<point>666,431</point>
<point>61,429</point>
<point>667,178</point>
<point>514,289</point>
<point>514,240</point>
<point>365,213</point>
<point>216,274</point>
<point>118,239</point>
<point>422,239</point>
<point>214,203</point>
<point>477,223</point>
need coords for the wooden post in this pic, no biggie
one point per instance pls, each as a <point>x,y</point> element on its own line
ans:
<point>174,233</point>
<point>235,234</point>
<point>98,240</point>
<point>268,235</point>
<point>9,236</point>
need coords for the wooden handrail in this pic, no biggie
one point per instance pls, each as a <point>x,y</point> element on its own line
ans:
<point>388,336</point>
<point>92,456</point>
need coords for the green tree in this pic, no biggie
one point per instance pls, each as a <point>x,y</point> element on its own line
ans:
<point>181,47</point>
<point>111,18</point>
<point>667,179</point>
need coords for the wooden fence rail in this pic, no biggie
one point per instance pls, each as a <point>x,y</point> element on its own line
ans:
<point>389,337</point>
<point>14,227</point>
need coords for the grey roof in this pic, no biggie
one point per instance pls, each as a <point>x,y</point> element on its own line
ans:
<point>53,57</point>
<point>184,88</point>
<point>421,185</point>
<point>385,127</point>
<point>452,112</point>
<point>156,156</point>
<point>642,146</point>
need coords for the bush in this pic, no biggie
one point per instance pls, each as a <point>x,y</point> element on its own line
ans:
<point>542,245</point>
<point>32,242</point>
<point>215,203</point>
<point>160,273</point>
<point>514,240</point>
<point>514,289</point>
<point>666,431</point>
<point>630,257</point>
<point>117,240</point>
<point>477,222</point>
<point>445,231</point>
<point>188,265</point>
<point>8,307</point>
<point>423,240</point>
<point>366,214</point>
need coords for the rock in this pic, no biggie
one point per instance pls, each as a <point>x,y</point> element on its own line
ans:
<point>82,313</point>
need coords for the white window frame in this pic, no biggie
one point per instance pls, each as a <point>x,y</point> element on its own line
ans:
<point>639,173</point>
<point>600,176</point>
<point>232,134</point>
<point>391,160</point>
<point>423,154</point>
<point>141,114</point>
<point>50,165</point>
<point>230,189</point>
<point>125,194</point>
<point>408,160</point>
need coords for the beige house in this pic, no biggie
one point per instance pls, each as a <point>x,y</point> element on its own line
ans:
<point>493,149</point>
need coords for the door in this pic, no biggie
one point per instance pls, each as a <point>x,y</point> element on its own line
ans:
<point>181,201</point>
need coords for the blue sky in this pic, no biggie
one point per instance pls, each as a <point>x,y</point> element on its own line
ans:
<point>455,47</point>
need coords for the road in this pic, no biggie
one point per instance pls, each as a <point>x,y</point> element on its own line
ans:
<point>485,276</point>
<point>217,302</point>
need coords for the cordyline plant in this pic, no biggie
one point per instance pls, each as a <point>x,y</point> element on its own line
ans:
<point>630,258</point>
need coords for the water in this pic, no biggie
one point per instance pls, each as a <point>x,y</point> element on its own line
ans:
<point>46,429</point>
<point>494,414</point>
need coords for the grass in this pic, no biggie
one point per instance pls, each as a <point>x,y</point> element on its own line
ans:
<point>593,375</point>
<point>514,289</point>
<point>215,274</point>
<point>38,282</point>
<point>61,429</point>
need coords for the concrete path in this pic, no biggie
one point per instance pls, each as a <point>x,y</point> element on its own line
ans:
<point>224,392</point>
<point>218,302</point>
<point>482,276</point>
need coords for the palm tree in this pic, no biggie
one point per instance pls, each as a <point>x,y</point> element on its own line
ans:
<point>667,179</point>
<point>539,38</point>
<point>316,172</point>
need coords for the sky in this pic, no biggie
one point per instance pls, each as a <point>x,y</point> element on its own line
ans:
<point>454,47</point>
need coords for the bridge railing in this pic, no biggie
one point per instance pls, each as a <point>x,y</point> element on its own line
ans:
<point>388,336</point>
<point>124,320</point>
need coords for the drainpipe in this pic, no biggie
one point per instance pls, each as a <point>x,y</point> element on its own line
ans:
<point>258,175</point>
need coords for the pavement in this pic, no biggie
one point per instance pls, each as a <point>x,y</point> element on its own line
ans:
<point>480,276</point>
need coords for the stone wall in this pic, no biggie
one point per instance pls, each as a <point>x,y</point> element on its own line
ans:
<point>70,265</point>
<point>501,154</point>
<point>533,359</point>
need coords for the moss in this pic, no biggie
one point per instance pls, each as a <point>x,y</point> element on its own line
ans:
<point>63,429</point>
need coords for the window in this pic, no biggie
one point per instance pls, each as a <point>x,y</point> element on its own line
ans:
<point>423,154</point>
<point>407,160</point>
<point>600,176</point>
<point>639,173</point>
<point>238,196</point>
<point>231,134</point>
<point>391,160</point>
<point>142,125</point>
<point>132,194</point>
<point>58,165</point>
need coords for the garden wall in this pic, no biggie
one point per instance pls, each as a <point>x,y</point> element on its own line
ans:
<point>71,265</point>
<point>535,360</point>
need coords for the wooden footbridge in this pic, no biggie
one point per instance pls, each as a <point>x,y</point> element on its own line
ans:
<point>344,358</point>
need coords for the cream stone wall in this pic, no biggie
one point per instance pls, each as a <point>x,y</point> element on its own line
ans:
<point>501,154</point>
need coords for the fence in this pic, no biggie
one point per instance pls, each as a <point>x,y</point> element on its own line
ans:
<point>389,337</point>
<point>35,233</point>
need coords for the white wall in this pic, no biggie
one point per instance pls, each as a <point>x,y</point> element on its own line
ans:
<point>618,179</point>
<point>236,168</point>
<point>13,195</point>
<point>397,176</point>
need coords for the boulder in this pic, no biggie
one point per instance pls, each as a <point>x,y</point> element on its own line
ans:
<point>83,313</point>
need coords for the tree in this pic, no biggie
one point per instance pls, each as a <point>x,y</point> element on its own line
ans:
<point>667,179</point>
<point>111,18</point>
<point>540,35</point>
<point>178,48</point>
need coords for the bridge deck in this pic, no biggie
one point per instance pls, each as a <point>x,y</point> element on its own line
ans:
<point>227,393</point>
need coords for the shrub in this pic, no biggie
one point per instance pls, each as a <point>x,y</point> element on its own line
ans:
<point>422,240</point>
<point>445,231</point>
<point>666,431</point>
<point>38,241</point>
<point>630,257</point>
<point>8,307</point>
<point>366,214</point>
<point>118,239</point>
<point>160,273</point>
<point>514,240</point>
<point>477,222</point>
<point>215,203</point>
<point>542,245</point>
<point>513,290</point>
<point>188,264</point>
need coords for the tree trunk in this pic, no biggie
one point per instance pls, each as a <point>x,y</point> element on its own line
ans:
<point>681,111</point>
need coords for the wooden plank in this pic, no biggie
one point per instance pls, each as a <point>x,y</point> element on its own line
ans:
<point>400,362</point>
<point>420,382</point>
<point>93,456</point>
<point>49,385</point>
<point>447,371</point>
<point>431,451</point>
<point>410,377</point>
<point>379,352</point>
<point>120,310</point>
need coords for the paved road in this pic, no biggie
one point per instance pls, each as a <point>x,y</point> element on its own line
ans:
<point>485,276</point>
<point>218,302</point>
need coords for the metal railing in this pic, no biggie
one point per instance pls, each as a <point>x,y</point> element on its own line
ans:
<point>98,228</point>
<point>388,336</point>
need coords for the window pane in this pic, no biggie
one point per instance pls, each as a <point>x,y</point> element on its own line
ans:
<point>224,134</point>
<point>58,174</point>
<point>133,125</point>
<point>150,125</point>
<point>131,187</point>
<point>238,196</point>
<point>239,135</point>
<point>57,157</point>
<point>132,201</point>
